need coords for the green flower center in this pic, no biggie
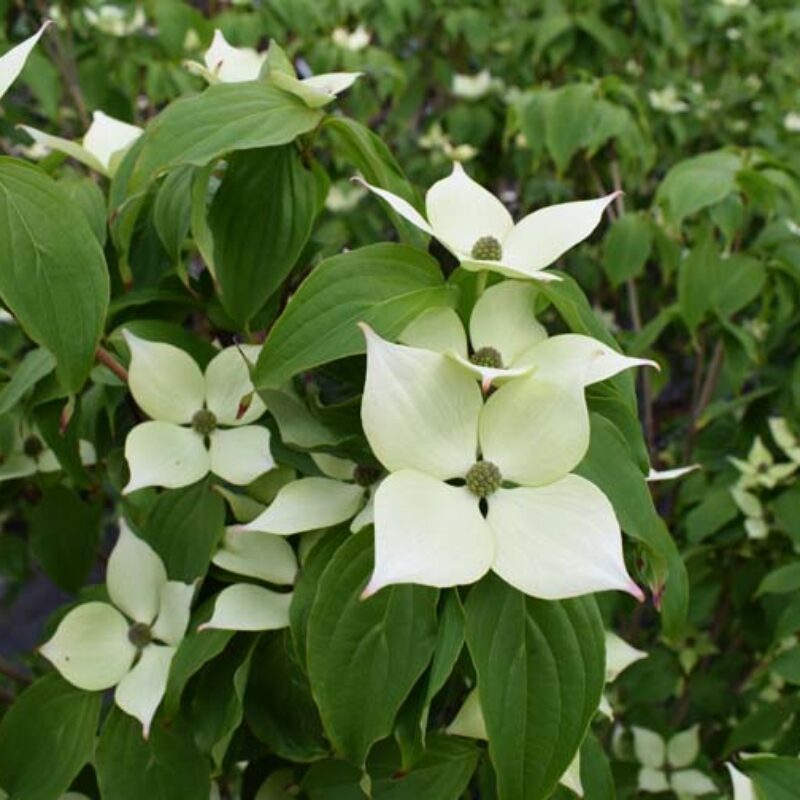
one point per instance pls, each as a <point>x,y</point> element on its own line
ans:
<point>204,421</point>
<point>483,478</point>
<point>32,446</point>
<point>139,635</point>
<point>487,248</point>
<point>487,357</point>
<point>365,475</point>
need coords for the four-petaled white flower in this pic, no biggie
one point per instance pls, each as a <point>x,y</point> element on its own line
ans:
<point>115,20</point>
<point>354,40</point>
<point>102,148</point>
<point>227,64</point>
<point>473,87</point>
<point>476,227</point>
<point>549,533</point>
<point>131,643</point>
<point>200,422</point>
<point>30,454</point>
<point>760,468</point>
<point>664,763</point>
<point>13,61</point>
<point>508,341</point>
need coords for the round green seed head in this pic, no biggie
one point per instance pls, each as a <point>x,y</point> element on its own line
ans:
<point>487,248</point>
<point>365,475</point>
<point>487,357</point>
<point>204,422</point>
<point>32,446</point>
<point>484,478</point>
<point>139,635</point>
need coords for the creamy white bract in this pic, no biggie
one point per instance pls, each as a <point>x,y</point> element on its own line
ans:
<point>130,642</point>
<point>102,148</point>
<point>224,63</point>
<point>478,485</point>
<point>200,422</point>
<point>478,230</point>
<point>13,61</point>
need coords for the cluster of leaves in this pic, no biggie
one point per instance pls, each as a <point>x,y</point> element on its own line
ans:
<point>688,107</point>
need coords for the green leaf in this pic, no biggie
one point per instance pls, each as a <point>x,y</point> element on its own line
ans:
<point>52,270</point>
<point>373,159</point>
<point>596,776</point>
<point>164,766</point>
<point>184,527</point>
<point>384,285</point>
<point>787,665</point>
<point>776,778</point>
<point>364,656</point>
<point>781,580</point>
<point>697,183</point>
<point>627,247</point>
<point>86,195</point>
<point>34,366</point>
<point>279,707</point>
<point>224,118</point>
<point>698,280</point>
<point>260,219</point>
<point>740,281</point>
<point>46,738</point>
<point>608,464</point>
<point>172,210</point>
<point>568,121</point>
<point>541,670</point>
<point>64,532</point>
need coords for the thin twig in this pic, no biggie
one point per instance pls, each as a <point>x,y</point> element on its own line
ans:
<point>710,383</point>
<point>636,321</point>
<point>107,360</point>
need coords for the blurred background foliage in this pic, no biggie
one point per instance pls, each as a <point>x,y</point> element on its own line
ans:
<point>691,108</point>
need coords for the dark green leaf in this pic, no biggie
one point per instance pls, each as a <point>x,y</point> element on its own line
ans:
<point>33,367</point>
<point>46,738</point>
<point>52,271</point>
<point>627,247</point>
<point>163,767</point>
<point>384,285</point>
<point>364,656</point>
<point>541,670</point>
<point>260,219</point>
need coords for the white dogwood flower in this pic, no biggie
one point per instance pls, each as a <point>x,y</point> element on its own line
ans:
<point>476,227</point>
<point>130,642</point>
<point>30,454</point>
<point>227,64</point>
<point>199,422</point>
<point>760,468</point>
<point>354,40</point>
<point>115,20</point>
<point>664,763</point>
<point>472,87</point>
<point>548,533</point>
<point>508,341</point>
<point>309,504</point>
<point>102,148</point>
<point>13,61</point>
<point>248,606</point>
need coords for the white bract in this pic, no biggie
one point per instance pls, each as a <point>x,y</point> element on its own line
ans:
<point>760,468</point>
<point>200,421</point>
<point>507,341</point>
<point>317,502</point>
<point>102,148</point>
<point>13,61</point>
<point>354,40</point>
<point>227,64</point>
<point>664,763</point>
<point>30,455</point>
<point>129,643</point>
<point>476,227</point>
<point>115,20</point>
<point>472,87</point>
<point>743,788</point>
<point>546,532</point>
<point>247,606</point>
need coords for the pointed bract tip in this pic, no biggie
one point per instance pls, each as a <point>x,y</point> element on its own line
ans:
<point>614,195</point>
<point>372,588</point>
<point>648,362</point>
<point>486,385</point>
<point>633,589</point>
<point>545,277</point>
